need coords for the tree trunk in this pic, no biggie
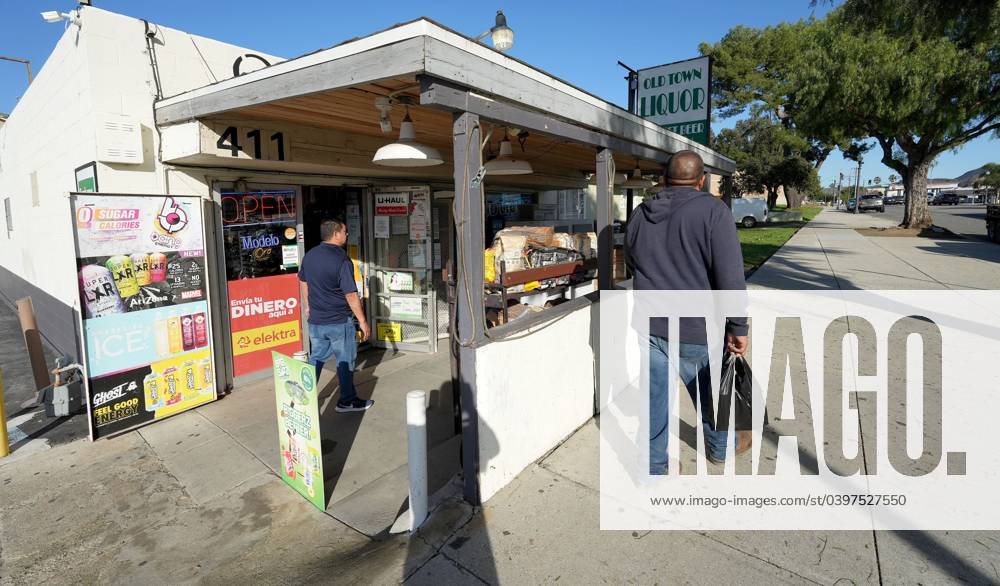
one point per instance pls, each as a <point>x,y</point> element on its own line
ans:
<point>772,198</point>
<point>794,197</point>
<point>916,214</point>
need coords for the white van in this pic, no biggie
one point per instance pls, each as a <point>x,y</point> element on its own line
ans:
<point>748,211</point>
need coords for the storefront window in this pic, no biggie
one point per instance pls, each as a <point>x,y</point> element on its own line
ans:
<point>262,252</point>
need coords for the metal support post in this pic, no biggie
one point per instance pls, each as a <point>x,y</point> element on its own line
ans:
<point>605,236</point>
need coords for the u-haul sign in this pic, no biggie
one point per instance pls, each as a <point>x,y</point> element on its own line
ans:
<point>392,204</point>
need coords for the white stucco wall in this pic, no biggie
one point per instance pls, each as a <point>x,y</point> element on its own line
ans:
<point>101,67</point>
<point>532,392</point>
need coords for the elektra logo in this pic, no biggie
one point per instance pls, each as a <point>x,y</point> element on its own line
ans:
<point>250,242</point>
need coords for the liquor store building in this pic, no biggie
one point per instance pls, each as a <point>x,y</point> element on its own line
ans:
<point>426,142</point>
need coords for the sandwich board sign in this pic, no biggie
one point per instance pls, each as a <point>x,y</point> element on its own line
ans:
<point>296,398</point>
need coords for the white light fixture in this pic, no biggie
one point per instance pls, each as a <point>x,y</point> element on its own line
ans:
<point>407,152</point>
<point>51,16</point>
<point>619,178</point>
<point>501,34</point>
<point>506,164</point>
<point>637,181</point>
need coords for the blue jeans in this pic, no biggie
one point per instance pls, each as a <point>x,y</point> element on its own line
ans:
<point>338,341</point>
<point>695,373</point>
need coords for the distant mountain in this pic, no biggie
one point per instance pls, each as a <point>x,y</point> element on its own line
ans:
<point>966,179</point>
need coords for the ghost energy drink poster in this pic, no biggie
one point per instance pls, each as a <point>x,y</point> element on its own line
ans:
<point>295,395</point>
<point>146,327</point>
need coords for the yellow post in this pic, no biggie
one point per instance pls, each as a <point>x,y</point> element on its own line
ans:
<point>4,442</point>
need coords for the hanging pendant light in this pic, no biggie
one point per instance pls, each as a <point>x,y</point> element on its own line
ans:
<point>637,181</point>
<point>407,152</point>
<point>619,178</point>
<point>506,164</point>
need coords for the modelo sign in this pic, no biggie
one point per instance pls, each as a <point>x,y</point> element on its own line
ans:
<point>676,96</point>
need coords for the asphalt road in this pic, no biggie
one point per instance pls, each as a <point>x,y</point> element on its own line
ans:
<point>969,220</point>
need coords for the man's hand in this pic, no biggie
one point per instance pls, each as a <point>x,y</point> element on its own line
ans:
<point>736,344</point>
<point>366,331</point>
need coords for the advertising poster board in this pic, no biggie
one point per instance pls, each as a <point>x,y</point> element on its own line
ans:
<point>677,96</point>
<point>264,315</point>
<point>146,323</point>
<point>296,398</point>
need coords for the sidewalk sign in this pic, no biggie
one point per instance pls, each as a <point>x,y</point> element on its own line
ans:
<point>145,320</point>
<point>296,398</point>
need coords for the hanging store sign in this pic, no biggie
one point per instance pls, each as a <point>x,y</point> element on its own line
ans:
<point>297,402</point>
<point>392,204</point>
<point>677,97</point>
<point>145,318</point>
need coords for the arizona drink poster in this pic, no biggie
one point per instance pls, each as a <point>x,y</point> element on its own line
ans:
<point>299,442</point>
<point>146,324</point>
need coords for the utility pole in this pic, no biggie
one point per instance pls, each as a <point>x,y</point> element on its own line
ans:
<point>857,184</point>
<point>633,90</point>
<point>16,60</point>
<point>840,179</point>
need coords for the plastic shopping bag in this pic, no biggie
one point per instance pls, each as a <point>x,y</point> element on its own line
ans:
<point>736,386</point>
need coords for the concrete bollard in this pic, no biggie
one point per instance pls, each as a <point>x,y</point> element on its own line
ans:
<point>4,440</point>
<point>416,448</point>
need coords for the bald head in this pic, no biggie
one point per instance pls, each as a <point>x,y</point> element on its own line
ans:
<point>685,168</point>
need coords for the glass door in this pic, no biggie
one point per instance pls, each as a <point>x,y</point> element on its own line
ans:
<point>402,298</point>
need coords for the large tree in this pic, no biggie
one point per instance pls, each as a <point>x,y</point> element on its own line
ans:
<point>920,77</point>
<point>765,161</point>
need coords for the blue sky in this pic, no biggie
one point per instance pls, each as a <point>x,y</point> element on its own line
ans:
<point>578,41</point>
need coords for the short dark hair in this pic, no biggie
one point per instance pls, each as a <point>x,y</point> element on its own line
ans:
<point>329,227</point>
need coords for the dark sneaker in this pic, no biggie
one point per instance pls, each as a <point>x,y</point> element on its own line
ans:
<point>355,405</point>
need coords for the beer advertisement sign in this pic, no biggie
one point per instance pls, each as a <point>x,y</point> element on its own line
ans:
<point>144,305</point>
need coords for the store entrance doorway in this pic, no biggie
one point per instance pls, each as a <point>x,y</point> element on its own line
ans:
<point>404,257</point>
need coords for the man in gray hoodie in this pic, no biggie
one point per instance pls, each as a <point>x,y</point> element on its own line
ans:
<point>685,239</point>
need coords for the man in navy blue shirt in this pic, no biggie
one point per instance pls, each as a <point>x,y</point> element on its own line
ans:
<point>330,297</point>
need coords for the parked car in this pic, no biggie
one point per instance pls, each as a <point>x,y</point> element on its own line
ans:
<point>872,202</point>
<point>891,200</point>
<point>748,211</point>
<point>934,199</point>
<point>950,199</point>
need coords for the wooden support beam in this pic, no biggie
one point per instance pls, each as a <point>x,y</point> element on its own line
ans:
<point>470,305</point>
<point>439,93</point>
<point>605,236</point>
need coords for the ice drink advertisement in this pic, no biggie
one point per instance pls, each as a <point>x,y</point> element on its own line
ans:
<point>146,323</point>
<point>296,397</point>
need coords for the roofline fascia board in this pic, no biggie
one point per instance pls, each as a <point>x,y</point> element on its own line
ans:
<point>439,34</point>
<point>391,36</point>
<point>429,48</point>
<point>404,57</point>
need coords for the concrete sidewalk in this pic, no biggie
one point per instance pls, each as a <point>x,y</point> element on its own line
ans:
<point>829,253</point>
